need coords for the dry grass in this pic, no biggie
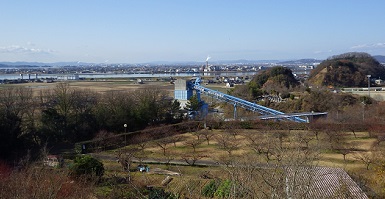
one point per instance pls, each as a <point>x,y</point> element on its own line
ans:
<point>191,175</point>
<point>213,151</point>
<point>99,85</point>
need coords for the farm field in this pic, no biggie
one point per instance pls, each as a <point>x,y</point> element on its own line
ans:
<point>212,157</point>
<point>101,86</point>
<point>104,85</point>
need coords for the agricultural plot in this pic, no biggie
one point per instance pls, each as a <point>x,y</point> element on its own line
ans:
<point>201,156</point>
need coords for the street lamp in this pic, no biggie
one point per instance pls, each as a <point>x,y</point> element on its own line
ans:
<point>368,84</point>
<point>125,136</point>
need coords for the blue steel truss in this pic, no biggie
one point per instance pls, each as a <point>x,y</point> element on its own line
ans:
<point>242,103</point>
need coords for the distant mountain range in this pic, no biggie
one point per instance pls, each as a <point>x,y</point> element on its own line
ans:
<point>379,58</point>
<point>301,61</point>
<point>40,64</point>
<point>240,61</point>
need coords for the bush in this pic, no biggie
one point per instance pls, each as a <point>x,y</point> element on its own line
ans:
<point>210,189</point>
<point>224,189</point>
<point>43,182</point>
<point>87,166</point>
<point>246,125</point>
<point>158,193</point>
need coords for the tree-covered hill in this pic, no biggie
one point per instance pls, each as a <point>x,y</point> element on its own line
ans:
<point>276,80</point>
<point>346,70</point>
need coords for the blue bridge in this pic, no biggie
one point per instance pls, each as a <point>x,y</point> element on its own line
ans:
<point>266,113</point>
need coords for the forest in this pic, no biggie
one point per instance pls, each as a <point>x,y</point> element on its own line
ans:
<point>29,121</point>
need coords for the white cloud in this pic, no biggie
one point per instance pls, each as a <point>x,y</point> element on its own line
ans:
<point>31,44</point>
<point>380,45</point>
<point>359,46</point>
<point>367,46</point>
<point>16,49</point>
<point>322,51</point>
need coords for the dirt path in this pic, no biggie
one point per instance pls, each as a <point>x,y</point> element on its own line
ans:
<point>157,161</point>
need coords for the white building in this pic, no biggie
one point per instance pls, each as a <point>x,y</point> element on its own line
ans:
<point>68,77</point>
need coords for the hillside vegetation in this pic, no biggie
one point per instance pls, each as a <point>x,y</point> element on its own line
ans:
<point>346,70</point>
<point>276,80</point>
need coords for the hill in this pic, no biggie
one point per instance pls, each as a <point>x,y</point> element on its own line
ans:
<point>276,79</point>
<point>346,70</point>
<point>380,58</point>
<point>301,61</point>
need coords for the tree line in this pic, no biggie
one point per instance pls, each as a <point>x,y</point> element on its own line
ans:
<point>30,120</point>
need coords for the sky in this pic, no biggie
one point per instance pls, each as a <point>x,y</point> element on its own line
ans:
<point>139,31</point>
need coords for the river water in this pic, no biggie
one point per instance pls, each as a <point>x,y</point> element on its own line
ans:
<point>126,75</point>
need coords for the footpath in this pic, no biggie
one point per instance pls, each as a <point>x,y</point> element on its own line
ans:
<point>111,157</point>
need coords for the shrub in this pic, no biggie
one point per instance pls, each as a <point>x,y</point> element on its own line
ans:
<point>158,193</point>
<point>87,166</point>
<point>224,189</point>
<point>246,125</point>
<point>210,189</point>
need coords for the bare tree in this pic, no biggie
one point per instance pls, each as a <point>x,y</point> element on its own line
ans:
<point>207,134</point>
<point>170,156</point>
<point>316,128</point>
<point>176,138</point>
<point>163,144</point>
<point>40,182</point>
<point>196,134</point>
<point>289,175</point>
<point>297,166</point>
<point>366,158</point>
<point>193,143</point>
<point>232,128</point>
<point>16,100</point>
<point>304,137</point>
<point>335,136</point>
<point>255,141</point>
<point>125,157</point>
<point>191,159</point>
<point>344,150</point>
<point>142,140</point>
<point>104,139</point>
<point>227,143</point>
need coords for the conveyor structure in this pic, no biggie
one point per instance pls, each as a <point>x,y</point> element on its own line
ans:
<point>246,104</point>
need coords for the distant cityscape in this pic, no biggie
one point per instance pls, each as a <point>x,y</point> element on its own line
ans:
<point>19,72</point>
<point>25,68</point>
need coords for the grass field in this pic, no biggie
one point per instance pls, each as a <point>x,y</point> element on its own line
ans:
<point>103,85</point>
<point>193,174</point>
<point>213,152</point>
<point>100,85</point>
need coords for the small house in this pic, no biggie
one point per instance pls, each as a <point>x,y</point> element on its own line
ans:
<point>53,161</point>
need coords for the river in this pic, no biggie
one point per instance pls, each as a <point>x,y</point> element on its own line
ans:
<point>125,75</point>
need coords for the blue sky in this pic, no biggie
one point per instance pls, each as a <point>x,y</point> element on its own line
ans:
<point>125,31</point>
